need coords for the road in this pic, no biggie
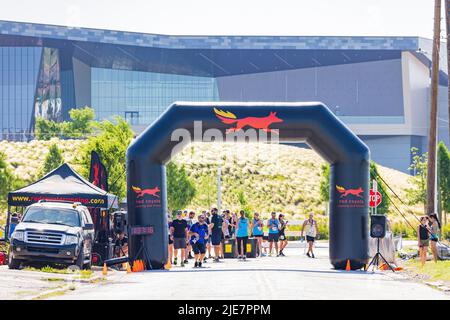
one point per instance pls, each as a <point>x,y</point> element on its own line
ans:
<point>292,277</point>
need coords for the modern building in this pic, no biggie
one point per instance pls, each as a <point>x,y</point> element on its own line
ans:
<point>379,86</point>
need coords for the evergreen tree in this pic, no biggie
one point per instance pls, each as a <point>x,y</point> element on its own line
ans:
<point>53,160</point>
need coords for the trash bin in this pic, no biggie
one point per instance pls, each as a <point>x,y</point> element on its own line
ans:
<point>252,247</point>
<point>229,248</point>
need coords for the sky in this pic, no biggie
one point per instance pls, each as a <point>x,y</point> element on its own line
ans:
<point>233,17</point>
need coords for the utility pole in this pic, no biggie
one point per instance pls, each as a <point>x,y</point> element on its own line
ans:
<point>447,29</point>
<point>431,172</point>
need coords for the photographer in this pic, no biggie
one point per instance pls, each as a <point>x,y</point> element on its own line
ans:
<point>121,245</point>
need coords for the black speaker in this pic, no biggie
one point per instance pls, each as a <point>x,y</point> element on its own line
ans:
<point>377,226</point>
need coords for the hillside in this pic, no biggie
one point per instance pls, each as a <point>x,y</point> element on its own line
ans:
<point>265,177</point>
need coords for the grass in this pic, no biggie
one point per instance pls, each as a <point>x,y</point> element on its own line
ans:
<point>435,271</point>
<point>84,274</point>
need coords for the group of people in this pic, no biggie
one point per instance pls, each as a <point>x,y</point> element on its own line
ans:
<point>211,229</point>
<point>428,236</point>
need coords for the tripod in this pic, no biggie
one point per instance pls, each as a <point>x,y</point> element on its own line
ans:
<point>376,258</point>
<point>143,250</point>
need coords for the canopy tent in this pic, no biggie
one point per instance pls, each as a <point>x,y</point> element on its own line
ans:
<point>63,184</point>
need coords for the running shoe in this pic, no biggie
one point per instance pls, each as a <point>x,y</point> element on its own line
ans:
<point>199,264</point>
<point>244,258</point>
<point>195,264</point>
<point>186,261</point>
<point>182,264</point>
<point>308,255</point>
<point>175,261</point>
<point>312,255</point>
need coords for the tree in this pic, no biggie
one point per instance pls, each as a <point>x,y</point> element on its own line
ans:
<point>207,190</point>
<point>7,180</point>
<point>81,124</point>
<point>111,144</point>
<point>383,208</point>
<point>444,176</point>
<point>180,189</point>
<point>53,160</point>
<point>325,183</point>
<point>418,194</point>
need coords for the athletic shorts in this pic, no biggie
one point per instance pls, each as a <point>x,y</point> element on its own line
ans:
<point>434,238</point>
<point>273,237</point>
<point>198,248</point>
<point>257,235</point>
<point>179,243</point>
<point>265,238</point>
<point>310,239</point>
<point>281,237</point>
<point>216,237</point>
<point>170,240</point>
<point>424,243</point>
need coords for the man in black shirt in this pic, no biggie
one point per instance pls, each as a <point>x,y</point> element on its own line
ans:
<point>179,231</point>
<point>216,232</point>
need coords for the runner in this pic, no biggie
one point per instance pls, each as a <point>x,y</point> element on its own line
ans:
<point>273,224</point>
<point>207,215</point>
<point>242,235</point>
<point>311,233</point>
<point>257,231</point>
<point>169,226</point>
<point>226,229</point>
<point>265,238</point>
<point>199,236</point>
<point>190,222</point>
<point>281,235</point>
<point>216,233</point>
<point>179,232</point>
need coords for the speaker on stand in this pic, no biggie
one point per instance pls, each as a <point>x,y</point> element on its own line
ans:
<point>378,230</point>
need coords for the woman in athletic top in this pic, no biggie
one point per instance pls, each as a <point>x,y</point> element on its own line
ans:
<point>434,225</point>
<point>311,233</point>
<point>257,231</point>
<point>281,236</point>
<point>242,235</point>
<point>424,239</point>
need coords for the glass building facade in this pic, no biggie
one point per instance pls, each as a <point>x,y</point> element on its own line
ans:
<point>19,69</point>
<point>140,97</point>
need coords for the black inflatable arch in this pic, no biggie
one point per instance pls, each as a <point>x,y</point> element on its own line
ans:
<point>312,123</point>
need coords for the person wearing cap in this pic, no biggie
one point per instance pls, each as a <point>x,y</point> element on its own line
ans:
<point>257,231</point>
<point>199,236</point>
<point>273,225</point>
<point>190,221</point>
<point>215,228</point>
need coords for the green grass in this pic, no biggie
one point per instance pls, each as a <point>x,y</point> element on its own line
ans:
<point>84,274</point>
<point>436,271</point>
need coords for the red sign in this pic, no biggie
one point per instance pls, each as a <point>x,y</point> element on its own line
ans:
<point>374,199</point>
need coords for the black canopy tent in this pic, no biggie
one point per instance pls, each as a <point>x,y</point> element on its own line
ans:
<point>62,184</point>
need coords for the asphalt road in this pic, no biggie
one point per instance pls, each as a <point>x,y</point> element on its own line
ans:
<point>292,277</point>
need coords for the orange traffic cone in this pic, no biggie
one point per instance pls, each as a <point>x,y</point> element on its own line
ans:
<point>105,269</point>
<point>347,267</point>
<point>134,266</point>
<point>128,267</point>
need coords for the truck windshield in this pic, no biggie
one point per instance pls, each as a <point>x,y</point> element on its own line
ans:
<point>65,217</point>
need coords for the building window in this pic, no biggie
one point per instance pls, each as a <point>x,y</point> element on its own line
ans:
<point>132,117</point>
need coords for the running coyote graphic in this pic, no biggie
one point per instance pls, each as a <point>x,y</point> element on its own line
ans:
<point>254,122</point>
<point>345,192</point>
<point>141,192</point>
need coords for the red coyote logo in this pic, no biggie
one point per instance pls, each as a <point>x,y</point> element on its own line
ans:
<point>345,192</point>
<point>141,192</point>
<point>254,122</point>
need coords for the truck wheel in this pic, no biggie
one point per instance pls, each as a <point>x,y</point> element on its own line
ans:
<point>13,263</point>
<point>80,259</point>
<point>88,265</point>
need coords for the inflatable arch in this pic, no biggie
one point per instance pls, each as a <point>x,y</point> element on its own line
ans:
<point>312,123</point>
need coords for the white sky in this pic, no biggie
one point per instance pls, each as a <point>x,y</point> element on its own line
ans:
<point>233,17</point>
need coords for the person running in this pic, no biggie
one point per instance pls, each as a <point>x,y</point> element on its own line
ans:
<point>169,226</point>
<point>265,238</point>
<point>215,228</point>
<point>273,225</point>
<point>311,233</point>
<point>424,239</point>
<point>226,229</point>
<point>242,227</point>
<point>281,236</point>
<point>257,231</point>
<point>434,225</point>
<point>179,232</point>
<point>190,222</point>
<point>199,236</point>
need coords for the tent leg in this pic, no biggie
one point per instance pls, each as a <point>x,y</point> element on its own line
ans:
<point>8,217</point>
